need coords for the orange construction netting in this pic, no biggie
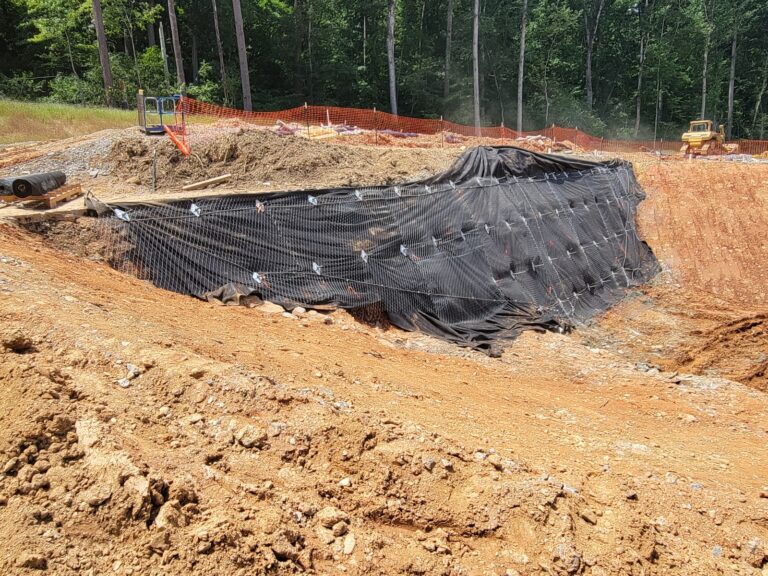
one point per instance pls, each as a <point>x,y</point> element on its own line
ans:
<point>371,126</point>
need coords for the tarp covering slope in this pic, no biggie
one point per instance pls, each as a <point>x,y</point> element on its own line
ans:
<point>505,240</point>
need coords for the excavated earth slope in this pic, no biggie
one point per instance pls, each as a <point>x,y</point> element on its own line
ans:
<point>143,432</point>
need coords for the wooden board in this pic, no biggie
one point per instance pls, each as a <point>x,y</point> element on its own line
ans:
<point>10,199</point>
<point>33,217</point>
<point>63,194</point>
<point>206,183</point>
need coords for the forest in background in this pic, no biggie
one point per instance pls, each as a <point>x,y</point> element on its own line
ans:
<point>615,68</point>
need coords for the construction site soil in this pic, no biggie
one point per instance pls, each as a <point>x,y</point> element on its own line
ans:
<point>260,157</point>
<point>144,432</point>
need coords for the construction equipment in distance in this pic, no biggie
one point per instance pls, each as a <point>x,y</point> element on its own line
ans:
<point>703,140</point>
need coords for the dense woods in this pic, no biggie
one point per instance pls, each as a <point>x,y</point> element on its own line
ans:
<point>611,67</point>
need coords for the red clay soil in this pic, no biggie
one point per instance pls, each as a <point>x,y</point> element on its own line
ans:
<point>248,442</point>
<point>708,222</point>
<point>708,313</point>
<point>143,432</point>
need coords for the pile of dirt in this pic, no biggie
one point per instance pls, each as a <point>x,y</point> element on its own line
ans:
<point>547,145</point>
<point>257,157</point>
<point>448,140</point>
<point>679,329</point>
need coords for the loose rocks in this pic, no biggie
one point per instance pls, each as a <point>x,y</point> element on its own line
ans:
<point>349,544</point>
<point>328,517</point>
<point>33,561</point>
<point>251,437</point>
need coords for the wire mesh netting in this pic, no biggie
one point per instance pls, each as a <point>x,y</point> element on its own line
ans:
<point>505,240</point>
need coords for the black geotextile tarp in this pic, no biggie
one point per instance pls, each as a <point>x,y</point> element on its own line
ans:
<point>505,240</point>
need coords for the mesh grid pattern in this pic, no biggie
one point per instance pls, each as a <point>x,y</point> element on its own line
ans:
<point>505,240</point>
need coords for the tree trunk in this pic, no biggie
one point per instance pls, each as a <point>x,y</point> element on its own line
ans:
<point>106,68</point>
<point>151,40</point>
<point>220,50</point>
<point>591,34</point>
<point>521,68</point>
<point>657,115</point>
<point>638,97</point>
<point>296,48</point>
<point>588,72</point>
<point>176,44</point>
<point>546,86</point>
<point>195,63</point>
<point>245,78</point>
<point>309,51</point>
<point>731,88</point>
<point>476,64</point>
<point>448,39</point>
<point>164,53</point>
<point>421,23</point>
<point>704,79</point>
<point>391,56</point>
<point>72,60</point>
<point>760,94</point>
<point>498,89</point>
<point>129,28</point>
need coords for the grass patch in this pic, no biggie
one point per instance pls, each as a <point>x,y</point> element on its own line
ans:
<point>38,121</point>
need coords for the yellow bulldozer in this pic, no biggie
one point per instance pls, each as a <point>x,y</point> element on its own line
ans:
<point>703,140</point>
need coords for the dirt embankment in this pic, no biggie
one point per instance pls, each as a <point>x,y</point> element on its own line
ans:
<point>708,313</point>
<point>703,219</point>
<point>707,222</point>
<point>258,157</point>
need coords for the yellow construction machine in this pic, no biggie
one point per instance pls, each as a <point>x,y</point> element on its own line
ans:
<point>702,139</point>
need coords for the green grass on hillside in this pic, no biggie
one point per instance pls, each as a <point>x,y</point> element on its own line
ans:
<point>36,121</point>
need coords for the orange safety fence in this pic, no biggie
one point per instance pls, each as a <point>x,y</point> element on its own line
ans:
<point>201,115</point>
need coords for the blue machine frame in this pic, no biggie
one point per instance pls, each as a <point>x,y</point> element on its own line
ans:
<point>157,112</point>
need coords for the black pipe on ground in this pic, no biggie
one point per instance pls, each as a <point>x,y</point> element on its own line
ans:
<point>32,184</point>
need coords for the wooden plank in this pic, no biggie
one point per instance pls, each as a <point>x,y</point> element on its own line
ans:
<point>206,183</point>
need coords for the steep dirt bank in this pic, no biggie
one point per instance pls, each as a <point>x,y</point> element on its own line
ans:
<point>707,222</point>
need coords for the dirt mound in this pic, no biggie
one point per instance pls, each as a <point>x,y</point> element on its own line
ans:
<point>677,329</point>
<point>259,156</point>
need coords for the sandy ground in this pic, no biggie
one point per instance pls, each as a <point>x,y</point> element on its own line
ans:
<point>143,432</point>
